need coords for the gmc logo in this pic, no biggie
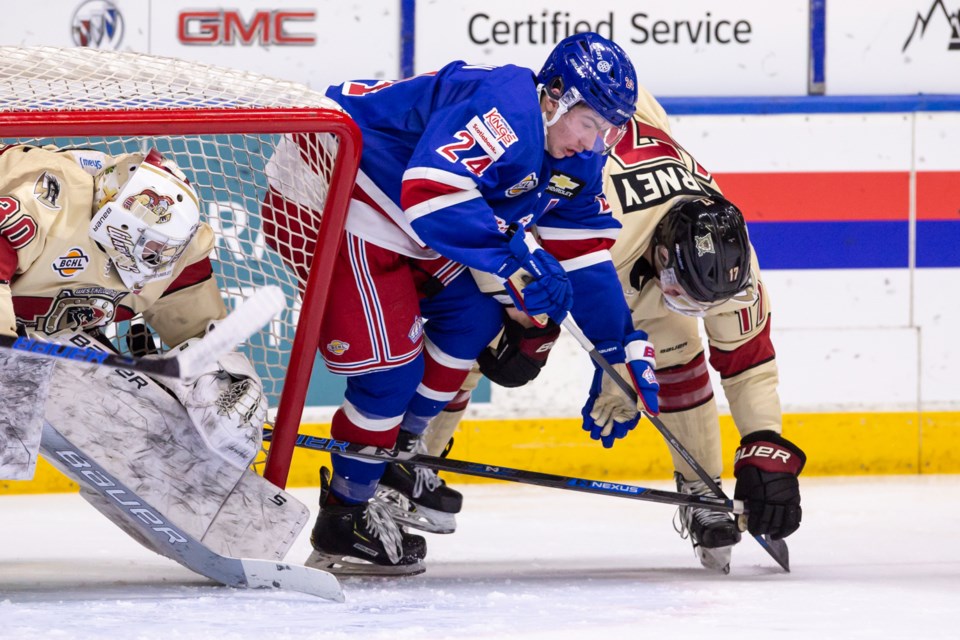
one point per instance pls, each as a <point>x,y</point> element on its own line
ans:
<point>229,28</point>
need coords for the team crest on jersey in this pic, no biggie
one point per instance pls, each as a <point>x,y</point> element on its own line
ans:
<point>158,204</point>
<point>76,309</point>
<point>47,191</point>
<point>69,265</point>
<point>564,186</point>
<point>338,347</point>
<point>704,244</point>
<point>500,127</point>
<point>527,184</point>
<point>416,329</point>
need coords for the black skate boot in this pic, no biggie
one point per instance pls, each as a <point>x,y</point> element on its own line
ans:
<point>416,496</point>
<point>713,533</point>
<point>362,539</point>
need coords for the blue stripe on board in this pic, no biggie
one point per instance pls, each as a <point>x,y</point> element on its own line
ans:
<point>766,105</point>
<point>938,243</point>
<point>830,245</point>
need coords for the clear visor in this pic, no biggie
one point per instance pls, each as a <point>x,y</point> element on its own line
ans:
<point>588,122</point>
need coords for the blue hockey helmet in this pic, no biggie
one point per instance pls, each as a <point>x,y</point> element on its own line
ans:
<point>589,68</point>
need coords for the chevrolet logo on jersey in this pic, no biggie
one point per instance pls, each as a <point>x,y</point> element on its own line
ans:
<point>564,186</point>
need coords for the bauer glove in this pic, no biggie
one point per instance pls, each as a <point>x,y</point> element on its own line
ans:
<point>520,355</point>
<point>766,467</point>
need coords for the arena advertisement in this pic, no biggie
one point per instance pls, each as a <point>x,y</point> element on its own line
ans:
<point>290,41</point>
<point>899,46</point>
<point>690,48</point>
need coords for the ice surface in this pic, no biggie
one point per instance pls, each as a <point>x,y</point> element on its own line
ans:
<point>875,558</point>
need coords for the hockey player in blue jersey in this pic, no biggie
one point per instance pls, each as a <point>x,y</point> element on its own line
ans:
<point>456,166</point>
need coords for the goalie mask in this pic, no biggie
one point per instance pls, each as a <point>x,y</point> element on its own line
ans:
<point>146,215</point>
<point>589,69</point>
<point>702,256</point>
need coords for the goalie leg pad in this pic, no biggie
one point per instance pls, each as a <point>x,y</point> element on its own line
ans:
<point>24,383</point>
<point>139,433</point>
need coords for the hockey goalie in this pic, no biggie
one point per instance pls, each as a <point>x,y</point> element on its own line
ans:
<point>83,250</point>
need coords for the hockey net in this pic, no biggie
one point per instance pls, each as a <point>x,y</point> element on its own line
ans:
<point>221,127</point>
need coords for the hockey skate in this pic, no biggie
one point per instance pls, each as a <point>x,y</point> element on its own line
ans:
<point>362,539</point>
<point>417,496</point>
<point>713,533</point>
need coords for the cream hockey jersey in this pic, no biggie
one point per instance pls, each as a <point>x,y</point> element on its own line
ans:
<point>53,276</point>
<point>643,177</point>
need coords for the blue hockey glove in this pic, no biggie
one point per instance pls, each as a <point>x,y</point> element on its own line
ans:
<point>609,414</point>
<point>536,282</point>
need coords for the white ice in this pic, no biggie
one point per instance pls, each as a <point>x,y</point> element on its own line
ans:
<point>875,558</point>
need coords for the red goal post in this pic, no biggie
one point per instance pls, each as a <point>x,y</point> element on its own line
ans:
<point>221,130</point>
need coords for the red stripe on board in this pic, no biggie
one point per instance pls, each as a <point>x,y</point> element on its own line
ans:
<point>938,195</point>
<point>799,197</point>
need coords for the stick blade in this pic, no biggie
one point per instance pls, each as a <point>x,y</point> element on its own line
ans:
<point>264,574</point>
<point>777,549</point>
<point>246,319</point>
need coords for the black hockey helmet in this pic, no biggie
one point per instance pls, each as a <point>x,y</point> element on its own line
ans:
<point>707,248</point>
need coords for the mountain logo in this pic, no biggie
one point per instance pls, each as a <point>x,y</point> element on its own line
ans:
<point>937,11</point>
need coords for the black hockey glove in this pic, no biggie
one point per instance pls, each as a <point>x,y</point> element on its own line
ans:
<point>519,355</point>
<point>766,466</point>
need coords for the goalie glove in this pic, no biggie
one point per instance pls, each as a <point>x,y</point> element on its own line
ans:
<point>609,414</point>
<point>227,406</point>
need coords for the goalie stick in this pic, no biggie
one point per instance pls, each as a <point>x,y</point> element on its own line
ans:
<point>776,548</point>
<point>521,476</point>
<point>162,533</point>
<point>247,318</point>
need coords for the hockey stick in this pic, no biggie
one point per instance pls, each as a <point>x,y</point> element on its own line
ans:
<point>248,318</point>
<point>151,524</point>
<point>776,548</point>
<point>496,472</point>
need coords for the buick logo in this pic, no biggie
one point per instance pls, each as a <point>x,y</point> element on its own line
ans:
<point>97,24</point>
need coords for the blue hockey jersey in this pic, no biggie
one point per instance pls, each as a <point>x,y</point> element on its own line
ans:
<point>451,159</point>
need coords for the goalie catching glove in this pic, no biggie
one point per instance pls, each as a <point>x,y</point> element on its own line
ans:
<point>226,404</point>
<point>609,414</point>
<point>766,467</point>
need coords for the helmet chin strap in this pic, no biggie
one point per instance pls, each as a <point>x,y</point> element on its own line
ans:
<point>561,109</point>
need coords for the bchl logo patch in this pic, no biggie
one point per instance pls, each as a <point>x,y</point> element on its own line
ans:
<point>416,330</point>
<point>338,347</point>
<point>527,184</point>
<point>71,264</point>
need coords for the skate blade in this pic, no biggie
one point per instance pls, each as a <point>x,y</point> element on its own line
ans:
<point>340,565</point>
<point>715,559</point>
